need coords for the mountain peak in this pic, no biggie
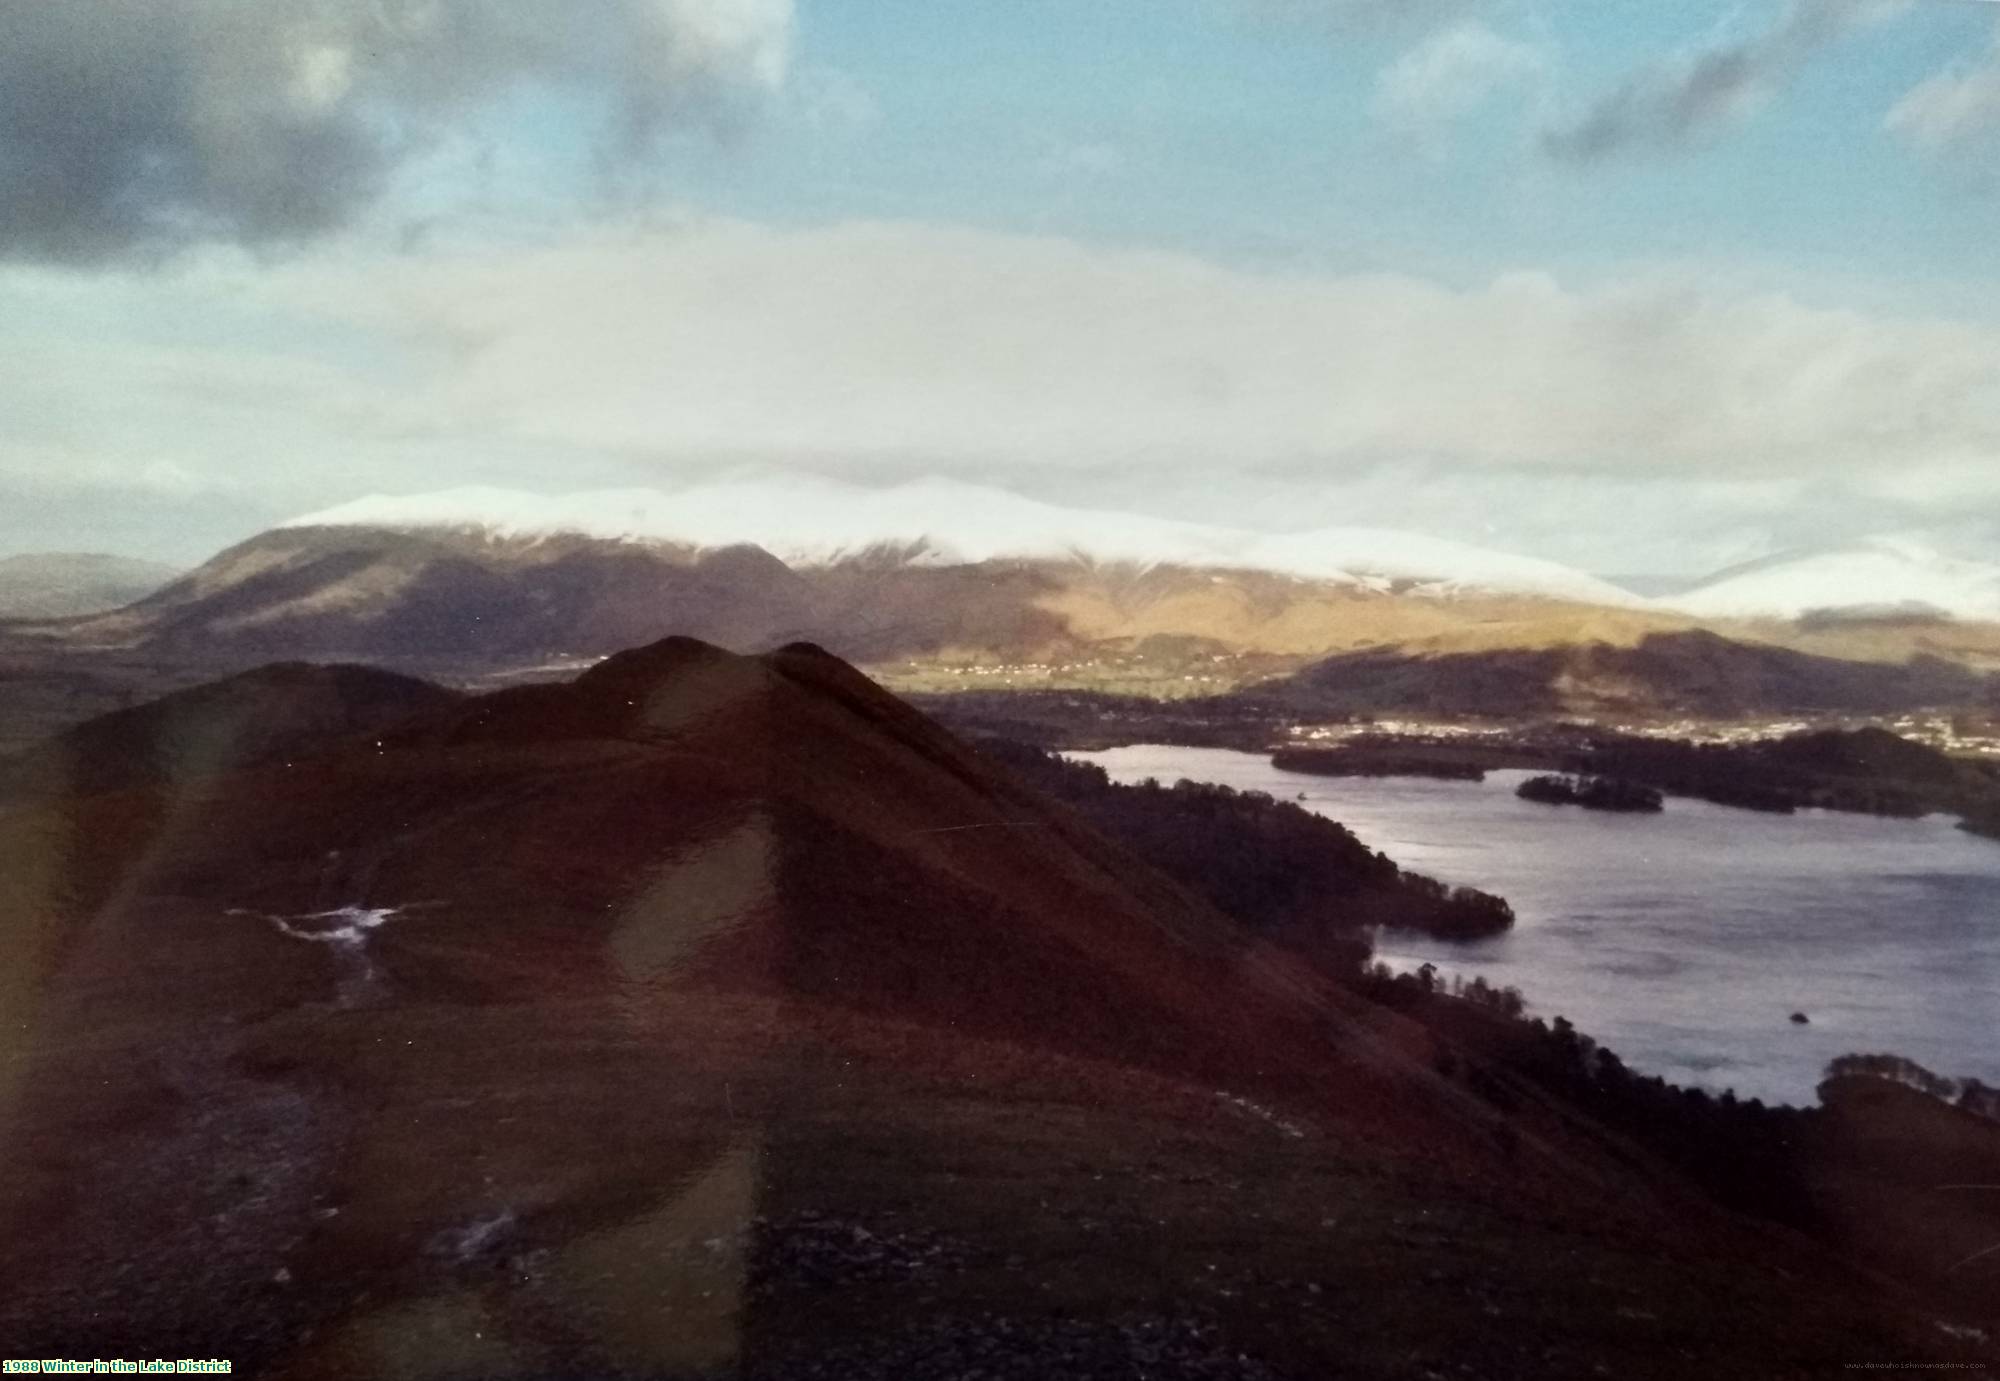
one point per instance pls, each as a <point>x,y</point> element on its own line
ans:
<point>669,657</point>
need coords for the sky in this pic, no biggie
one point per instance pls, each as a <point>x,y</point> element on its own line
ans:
<point>1646,288</point>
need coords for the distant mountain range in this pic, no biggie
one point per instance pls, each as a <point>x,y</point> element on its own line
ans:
<point>809,523</point>
<point>469,578</point>
<point>943,586</point>
<point>54,585</point>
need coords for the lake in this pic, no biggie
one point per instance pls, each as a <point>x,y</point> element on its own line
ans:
<point>1684,941</point>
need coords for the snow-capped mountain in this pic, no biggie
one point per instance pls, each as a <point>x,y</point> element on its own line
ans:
<point>811,522</point>
<point>1884,575</point>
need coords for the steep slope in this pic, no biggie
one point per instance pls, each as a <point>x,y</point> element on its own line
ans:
<point>713,1014</point>
<point>54,585</point>
<point>630,917</point>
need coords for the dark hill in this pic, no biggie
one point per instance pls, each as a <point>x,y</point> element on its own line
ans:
<point>715,1015</point>
<point>1693,672</point>
<point>1866,753</point>
<point>210,730</point>
<point>1276,867</point>
<point>1869,770</point>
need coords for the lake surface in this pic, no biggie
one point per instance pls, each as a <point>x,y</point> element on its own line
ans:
<point>1684,941</point>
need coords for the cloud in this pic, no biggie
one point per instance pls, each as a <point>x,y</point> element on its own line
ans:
<point>960,349</point>
<point>1617,523</point>
<point>887,351</point>
<point>1451,74</point>
<point>1952,106</point>
<point>1667,104</point>
<point>134,126</point>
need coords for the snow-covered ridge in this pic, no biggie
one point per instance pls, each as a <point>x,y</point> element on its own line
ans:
<point>811,522</point>
<point>1885,575</point>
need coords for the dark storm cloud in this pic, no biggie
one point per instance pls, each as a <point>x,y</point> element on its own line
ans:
<point>1668,103</point>
<point>130,126</point>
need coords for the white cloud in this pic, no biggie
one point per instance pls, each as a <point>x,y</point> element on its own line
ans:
<point>1451,74</point>
<point>723,41</point>
<point>1115,376</point>
<point>1960,103</point>
<point>884,339</point>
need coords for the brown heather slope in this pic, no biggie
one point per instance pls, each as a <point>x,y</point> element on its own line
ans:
<point>1251,611</point>
<point>223,726</point>
<point>736,1020</point>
